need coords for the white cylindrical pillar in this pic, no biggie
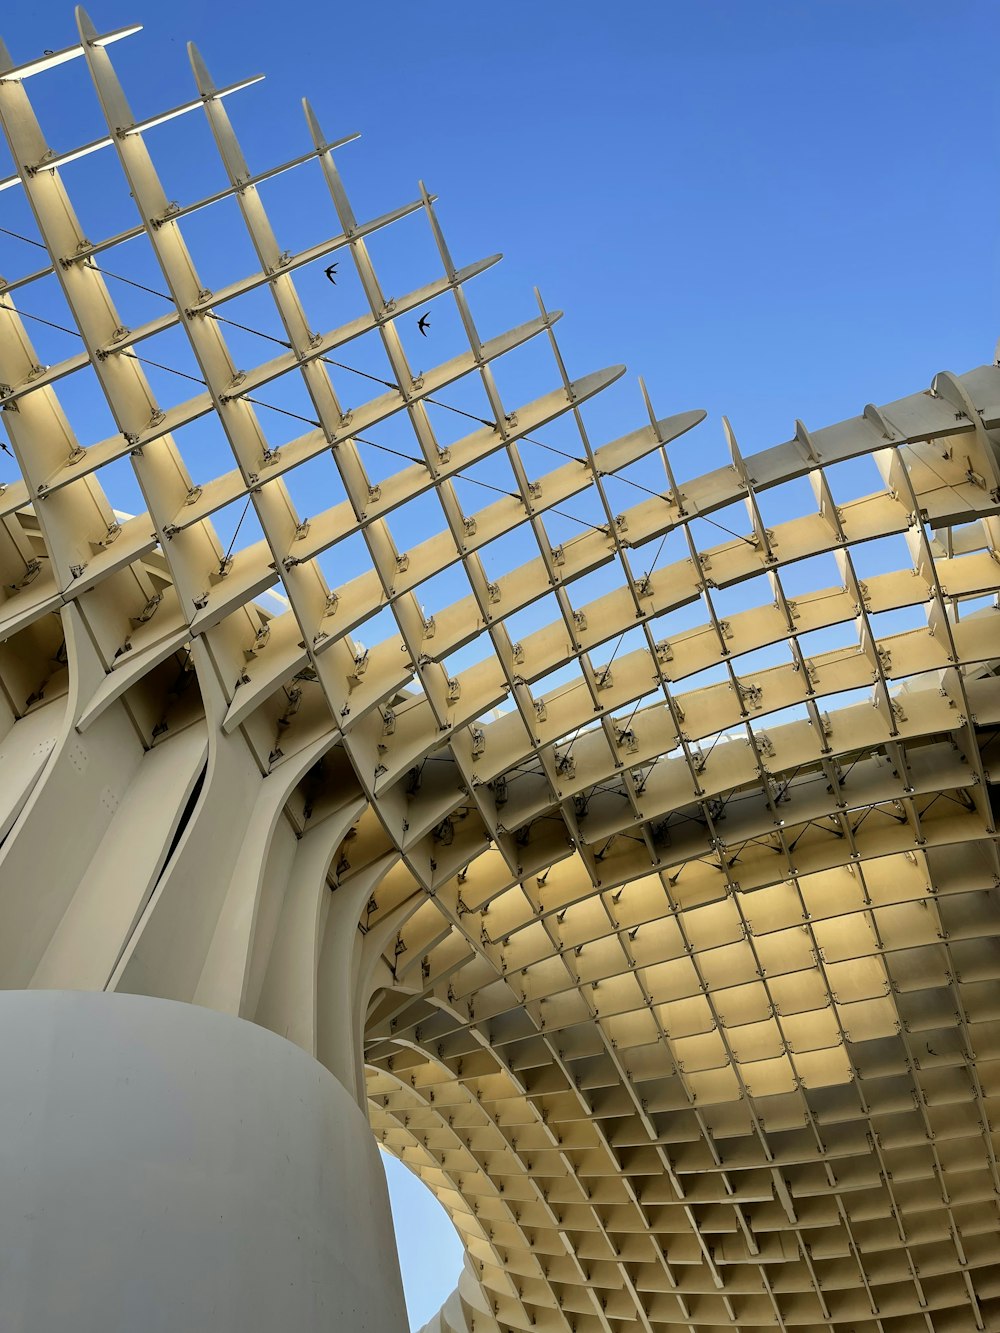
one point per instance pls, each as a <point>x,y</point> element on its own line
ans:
<point>172,1169</point>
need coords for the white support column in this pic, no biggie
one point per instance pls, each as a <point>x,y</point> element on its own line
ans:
<point>166,1167</point>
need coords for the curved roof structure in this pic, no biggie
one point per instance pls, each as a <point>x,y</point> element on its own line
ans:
<point>625,837</point>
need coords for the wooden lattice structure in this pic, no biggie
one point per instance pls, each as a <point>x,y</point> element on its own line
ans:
<point>663,938</point>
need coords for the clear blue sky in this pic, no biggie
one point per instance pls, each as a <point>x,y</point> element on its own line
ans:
<point>768,209</point>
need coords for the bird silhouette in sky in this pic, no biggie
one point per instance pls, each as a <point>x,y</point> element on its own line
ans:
<point>422,324</point>
<point>5,449</point>
<point>331,271</point>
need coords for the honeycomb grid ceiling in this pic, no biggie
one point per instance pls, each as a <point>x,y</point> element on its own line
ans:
<point>653,883</point>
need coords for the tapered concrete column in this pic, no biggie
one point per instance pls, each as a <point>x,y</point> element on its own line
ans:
<point>164,1167</point>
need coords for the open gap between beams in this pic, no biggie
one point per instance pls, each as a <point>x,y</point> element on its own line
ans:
<point>401,256</point>
<point>901,620</point>
<point>138,291</point>
<point>348,559</point>
<point>750,594</point>
<point>220,246</point>
<point>811,575</point>
<point>237,528</point>
<point>525,373</point>
<point>473,654</point>
<point>315,487</point>
<point>418,521</point>
<point>575,516</point>
<point>441,591</point>
<point>789,500</point>
<point>776,654</point>
<point>766,722</point>
<point>853,479</point>
<point>120,487</point>
<point>732,522</point>
<point>41,327</point>
<point>881,556</point>
<point>976,604</point>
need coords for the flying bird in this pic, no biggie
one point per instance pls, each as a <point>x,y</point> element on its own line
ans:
<point>330,270</point>
<point>422,324</point>
<point>5,449</point>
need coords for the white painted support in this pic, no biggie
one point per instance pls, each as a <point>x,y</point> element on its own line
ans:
<point>166,1167</point>
<point>285,998</point>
